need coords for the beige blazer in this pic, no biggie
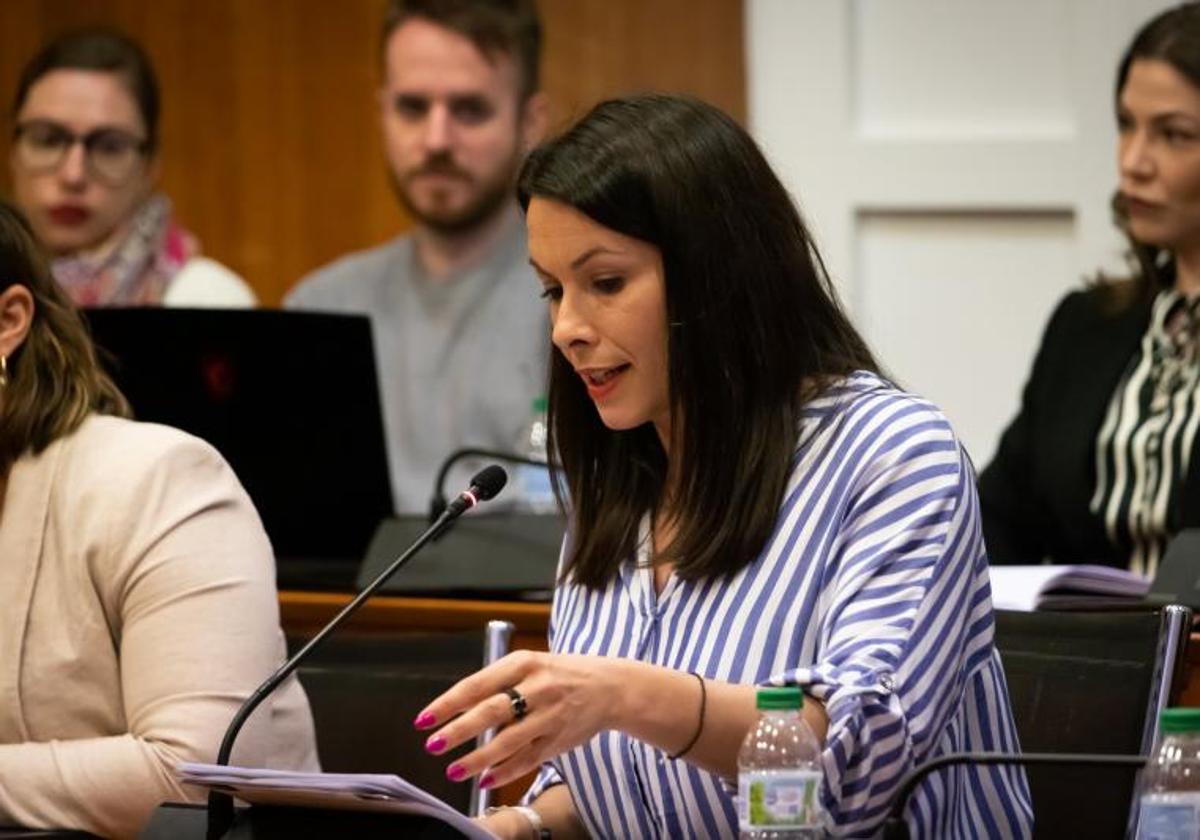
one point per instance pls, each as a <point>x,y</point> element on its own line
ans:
<point>137,611</point>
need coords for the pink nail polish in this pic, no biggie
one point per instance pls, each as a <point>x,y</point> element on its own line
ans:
<point>486,782</point>
<point>456,772</point>
<point>424,720</point>
<point>435,744</point>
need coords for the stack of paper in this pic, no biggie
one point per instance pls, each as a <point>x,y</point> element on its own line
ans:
<point>337,791</point>
<point>1048,587</point>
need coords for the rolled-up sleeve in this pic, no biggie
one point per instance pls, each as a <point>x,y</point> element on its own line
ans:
<point>907,619</point>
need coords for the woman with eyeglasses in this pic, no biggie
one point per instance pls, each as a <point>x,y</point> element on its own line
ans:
<point>84,169</point>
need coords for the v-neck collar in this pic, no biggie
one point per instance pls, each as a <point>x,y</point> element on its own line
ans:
<point>641,582</point>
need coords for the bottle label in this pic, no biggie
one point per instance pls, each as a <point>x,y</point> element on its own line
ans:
<point>1169,816</point>
<point>785,798</point>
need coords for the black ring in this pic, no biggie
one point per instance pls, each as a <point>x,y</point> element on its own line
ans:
<point>517,700</point>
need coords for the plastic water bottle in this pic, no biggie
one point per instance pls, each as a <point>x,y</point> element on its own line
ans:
<point>1170,808</point>
<point>535,492</point>
<point>779,777</point>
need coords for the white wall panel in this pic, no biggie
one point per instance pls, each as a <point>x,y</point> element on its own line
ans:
<point>954,159</point>
<point>947,69</point>
<point>954,305</point>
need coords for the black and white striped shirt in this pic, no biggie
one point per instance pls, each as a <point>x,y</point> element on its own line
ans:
<point>1145,443</point>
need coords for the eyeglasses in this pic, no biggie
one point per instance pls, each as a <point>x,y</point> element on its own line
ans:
<point>110,153</point>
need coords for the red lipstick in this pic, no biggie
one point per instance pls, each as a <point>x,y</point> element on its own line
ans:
<point>69,214</point>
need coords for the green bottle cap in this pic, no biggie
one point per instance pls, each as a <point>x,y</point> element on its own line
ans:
<point>780,699</point>
<point>1179,720</point>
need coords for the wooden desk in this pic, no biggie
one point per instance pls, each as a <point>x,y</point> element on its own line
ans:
<point>303,613</point>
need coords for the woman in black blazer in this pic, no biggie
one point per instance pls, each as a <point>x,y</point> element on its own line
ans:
<point>1101,464</point>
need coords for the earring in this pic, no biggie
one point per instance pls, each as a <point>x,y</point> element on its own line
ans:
<point>3,370</point>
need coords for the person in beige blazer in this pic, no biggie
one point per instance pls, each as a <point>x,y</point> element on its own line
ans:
<point>137,593</point>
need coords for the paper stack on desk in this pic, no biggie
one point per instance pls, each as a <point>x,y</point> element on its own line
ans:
<point>1028,588</point>
<point>337,791</point>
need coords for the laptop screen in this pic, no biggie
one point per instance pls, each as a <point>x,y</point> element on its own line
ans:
<point>290,399</point>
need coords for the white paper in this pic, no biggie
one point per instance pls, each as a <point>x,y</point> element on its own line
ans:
<point>338,791</point>
<point>1021,587</point>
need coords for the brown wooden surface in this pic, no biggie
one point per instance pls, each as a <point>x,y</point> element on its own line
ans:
<point>1189,693</point>
<point>303,613</point>
<point>270,147</point>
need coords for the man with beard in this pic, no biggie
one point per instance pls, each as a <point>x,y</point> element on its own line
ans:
<point>460,335</point>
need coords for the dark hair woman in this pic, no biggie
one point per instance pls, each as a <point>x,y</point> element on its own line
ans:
<point>140,605</point>
<point>750,502</point>
<point>1098,466</point>
<point>84,168</point>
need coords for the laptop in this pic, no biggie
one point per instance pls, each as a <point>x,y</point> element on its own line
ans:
<point>291,400</point>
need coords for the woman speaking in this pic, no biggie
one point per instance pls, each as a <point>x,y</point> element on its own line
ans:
<point>750,502</point>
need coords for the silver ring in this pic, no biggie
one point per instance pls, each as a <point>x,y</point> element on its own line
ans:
<point>516,699</point>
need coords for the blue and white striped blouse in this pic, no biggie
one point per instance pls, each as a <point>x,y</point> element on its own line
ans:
<point>872,593</point>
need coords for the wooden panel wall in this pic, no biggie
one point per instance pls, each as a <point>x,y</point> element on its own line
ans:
<point>270,145</point>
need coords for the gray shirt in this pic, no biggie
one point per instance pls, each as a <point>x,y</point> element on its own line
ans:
<point>460,359</point>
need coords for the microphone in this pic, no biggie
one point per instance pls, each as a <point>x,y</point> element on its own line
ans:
<point>437,502</point>
<point>484,486</point>
<point>895,828</point>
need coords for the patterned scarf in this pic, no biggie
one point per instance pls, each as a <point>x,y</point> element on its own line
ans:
<point>139,269</point>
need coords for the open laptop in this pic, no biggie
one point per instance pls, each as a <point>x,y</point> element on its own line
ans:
<point>291,400</point>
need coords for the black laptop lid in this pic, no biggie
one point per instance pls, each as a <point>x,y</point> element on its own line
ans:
<point>291,399</point>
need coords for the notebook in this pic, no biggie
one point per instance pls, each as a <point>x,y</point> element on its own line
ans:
<point>1027,588</point>
<point>290,399</point>
<point>1082,587</point>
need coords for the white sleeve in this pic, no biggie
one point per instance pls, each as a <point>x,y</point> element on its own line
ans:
<point>206,283</point>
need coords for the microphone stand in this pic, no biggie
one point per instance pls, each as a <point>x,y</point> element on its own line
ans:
<point>437,502</point>
<point>895,828</point>
<point>220,804</point>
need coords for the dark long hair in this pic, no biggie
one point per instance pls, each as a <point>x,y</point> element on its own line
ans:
<point>54,378</point>
<point>755,330</point>
<point>1172,37</point>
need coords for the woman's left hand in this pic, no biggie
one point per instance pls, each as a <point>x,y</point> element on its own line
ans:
<point>567,700</point>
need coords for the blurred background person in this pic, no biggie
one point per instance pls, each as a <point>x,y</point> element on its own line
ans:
<point>1099,465</point>
<point>461,347</point>
<point>84,167</point>
<point>139,606</point>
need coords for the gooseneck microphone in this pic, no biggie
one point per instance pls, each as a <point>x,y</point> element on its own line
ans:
<point>437,502</point>
<point>484,486</point>
<point>895,828</point>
